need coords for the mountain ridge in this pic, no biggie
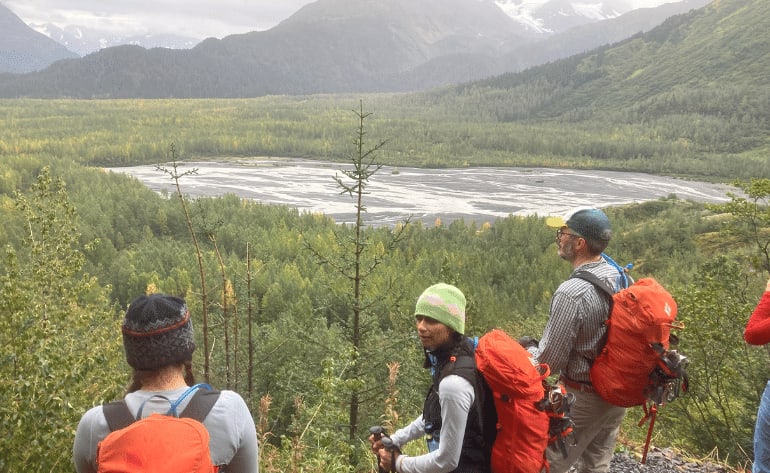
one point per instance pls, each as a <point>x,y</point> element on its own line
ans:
<point>328,46</point>
<point>541,18</point>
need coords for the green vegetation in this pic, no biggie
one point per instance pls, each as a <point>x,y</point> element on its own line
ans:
<point>290,322</point>
<point>282,292</point>
<point>356,258</point>
<point>423,131</point>
<point>54,348</point>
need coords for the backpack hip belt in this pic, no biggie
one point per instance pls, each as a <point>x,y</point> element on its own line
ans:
<point>577,385</point>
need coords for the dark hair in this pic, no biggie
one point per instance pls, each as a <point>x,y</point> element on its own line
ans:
<point>461,345</point>
<point>458,345</point>
<point>140,377</point>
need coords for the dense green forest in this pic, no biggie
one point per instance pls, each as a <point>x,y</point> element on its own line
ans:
<point>422,130</point>
<point>278,314</point>
<point>311,321</point>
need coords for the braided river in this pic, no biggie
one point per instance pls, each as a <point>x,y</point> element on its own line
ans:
<point>480,194</point>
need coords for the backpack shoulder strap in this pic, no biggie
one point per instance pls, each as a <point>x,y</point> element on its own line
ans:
<point>465,362</point>
<point>623,279</point>
<point>604,286</point>
<point>465,367</point>
<point>200,404</point>
<point>117,414</point>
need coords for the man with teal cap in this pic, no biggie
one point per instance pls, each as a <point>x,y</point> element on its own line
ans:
<point>574,336</point>
<point>450,420</point>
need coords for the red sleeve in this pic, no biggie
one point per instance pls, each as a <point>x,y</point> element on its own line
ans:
<point>758,328</point>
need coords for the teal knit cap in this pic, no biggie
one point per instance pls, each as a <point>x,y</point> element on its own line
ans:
<point>443,303</point>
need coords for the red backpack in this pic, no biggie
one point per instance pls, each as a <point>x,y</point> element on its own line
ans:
<point>525,418</point>
<point>159,442</point>
<point>637,366</point>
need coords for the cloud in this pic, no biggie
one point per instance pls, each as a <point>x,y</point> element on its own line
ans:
<point>197,19</point>
<point>194,18</point>
<point>649,3</point>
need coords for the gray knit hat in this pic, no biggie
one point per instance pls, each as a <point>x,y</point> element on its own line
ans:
<point>157,332</point>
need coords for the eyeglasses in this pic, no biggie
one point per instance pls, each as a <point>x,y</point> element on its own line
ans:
<point>560,233</point>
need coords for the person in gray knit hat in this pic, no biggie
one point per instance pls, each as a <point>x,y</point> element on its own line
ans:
<point>157,332</point>
<point>159,344</point>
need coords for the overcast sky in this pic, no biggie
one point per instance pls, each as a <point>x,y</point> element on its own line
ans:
<point>194,18</point>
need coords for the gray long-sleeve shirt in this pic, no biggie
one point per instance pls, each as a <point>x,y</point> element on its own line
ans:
<point>233,437</point>
<point>456,397</point>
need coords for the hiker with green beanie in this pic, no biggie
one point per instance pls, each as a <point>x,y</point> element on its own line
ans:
<point>451,420</point>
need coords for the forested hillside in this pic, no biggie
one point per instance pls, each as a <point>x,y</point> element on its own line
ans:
<point>698,82</point>
<point>282,324</point>
<point>706,50</point>
<point>277,314</point>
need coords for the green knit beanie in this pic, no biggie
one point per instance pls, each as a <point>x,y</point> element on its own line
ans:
<point>444,303</point>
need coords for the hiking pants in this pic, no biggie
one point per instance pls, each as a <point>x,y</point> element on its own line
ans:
<point>762,434</point>
<point>597,423</point>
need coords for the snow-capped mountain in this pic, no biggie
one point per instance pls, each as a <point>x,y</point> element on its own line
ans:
<point>538,19</point>
<point>547,17</point>
<point>84,41</point>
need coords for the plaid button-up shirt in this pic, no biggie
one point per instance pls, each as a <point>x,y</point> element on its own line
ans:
<point>576,330</point>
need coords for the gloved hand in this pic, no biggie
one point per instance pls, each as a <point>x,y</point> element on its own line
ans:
<point>526,341</point>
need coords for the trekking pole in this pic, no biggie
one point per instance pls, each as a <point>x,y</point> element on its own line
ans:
<point>378,432</point>
<point>391,447</point>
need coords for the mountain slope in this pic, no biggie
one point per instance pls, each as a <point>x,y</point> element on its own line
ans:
<point>725,44</point>
<point>590,36</point>
<point>328,46</point>
<point>556,16</point>
<point>699,79</point>
<point>23,49</point>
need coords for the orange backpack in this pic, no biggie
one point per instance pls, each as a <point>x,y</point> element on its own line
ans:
<point>159,442</point>
<point>637,366</point>
<point>516,384</point>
